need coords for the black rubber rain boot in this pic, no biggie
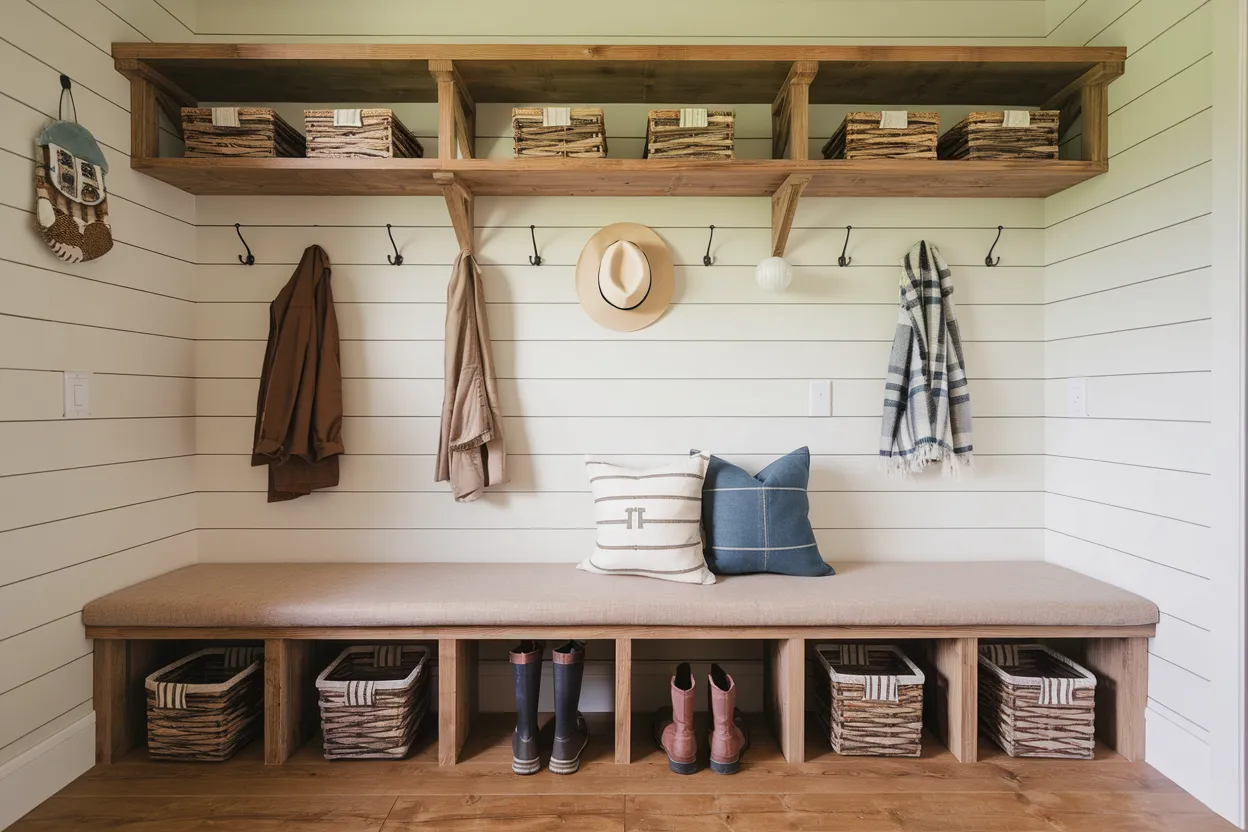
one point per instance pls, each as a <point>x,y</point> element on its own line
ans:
<point>571,733</point>
<point>526,668</point>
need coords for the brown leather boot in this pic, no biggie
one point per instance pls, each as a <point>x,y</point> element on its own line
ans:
<point>673,727</point>
<point>729,737</point>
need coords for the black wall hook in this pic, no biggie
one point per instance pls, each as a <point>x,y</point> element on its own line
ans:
<point>250,259</point>
<point>988,261</point>
<point>67,88</point>
<point>707,260</point>
<point>844,261</point>
<point>397,259</point>
<point>535,259</point>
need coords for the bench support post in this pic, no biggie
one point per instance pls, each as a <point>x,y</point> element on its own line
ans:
<point>785,680</point>
<point>623,700</point>
<point>957,695</point>
<point>119,701</point>
<point>289,709</point>
<point>457,696</point>
<point>1121,668</point>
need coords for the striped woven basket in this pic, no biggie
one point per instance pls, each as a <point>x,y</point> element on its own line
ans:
<point>891,134</point>
<point>374,133</point>
<point>207,705</point>
<point>567,132</point>
<point>372,701</point>
<point>238,132</point>
<point>869,698</point>
<point>1035,702</point>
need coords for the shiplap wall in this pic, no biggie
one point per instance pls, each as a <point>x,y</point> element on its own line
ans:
<point>86,505</point>
<point>1127,307</point>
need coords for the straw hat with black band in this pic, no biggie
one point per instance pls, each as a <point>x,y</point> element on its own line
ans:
<point>624,277</point>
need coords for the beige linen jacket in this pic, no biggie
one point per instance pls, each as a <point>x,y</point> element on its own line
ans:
<point>471,453</point>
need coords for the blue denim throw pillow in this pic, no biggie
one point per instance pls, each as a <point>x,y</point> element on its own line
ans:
<point>761,523</point>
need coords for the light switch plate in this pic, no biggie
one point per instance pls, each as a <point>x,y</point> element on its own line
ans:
<point>1077,397</point>
<point>821,398</point>
<point>77,395</point>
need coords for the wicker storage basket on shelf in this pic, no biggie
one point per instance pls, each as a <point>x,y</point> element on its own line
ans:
<point>1034,702</point>
<point>260,133</point>
<point>893,134</point>
<point>372,701</point>
<point>998,134</point>
<point>869,698</point>
<point>690,133</point>
<point>359,134</point>
<point>207,705</point>
<point>578,132</point>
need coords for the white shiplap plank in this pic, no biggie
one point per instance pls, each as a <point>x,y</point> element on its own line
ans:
<point>37,549</point>
<point>44,699</point>
<point>48,345</point>
<point>44,498</point>
<point>1179,446</point>
<point>41,651</point>
<point>1174,494</point>
<point>606,435</point>
<point>633,397</point>
<point>1183,397</point>
<point>40,394</point>
<point>74,443</point>
<point>1168,542</point>
<point>719,284</point>
<point>566,472</point>
<point>560,510</point>
<point>572,545</point>
<point>32,603</point>
<point>681,322</point>
<point>1165,300</point>
<point>1174,348</point>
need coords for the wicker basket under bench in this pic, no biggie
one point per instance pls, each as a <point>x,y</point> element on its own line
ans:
<point>690,133</point>
<point>567,132</point>
<point>372,701</point>
<point>1002,134</point>
<point>238,132</point>
<point>359,134</point>
<point>1035,702</point>
<point>207,705</point>
<point>869,698</point>
<point>892,134</point>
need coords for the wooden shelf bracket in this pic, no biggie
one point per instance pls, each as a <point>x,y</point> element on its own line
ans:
<point>783,209</point>
<point>151,93</point>
<point>457,114</point>
<point>459,204</point>
<point>1088,96</point>
<point>790,113</point>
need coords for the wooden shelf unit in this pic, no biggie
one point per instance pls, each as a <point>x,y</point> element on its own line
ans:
<point>124,656</point>
<point>172,75</point>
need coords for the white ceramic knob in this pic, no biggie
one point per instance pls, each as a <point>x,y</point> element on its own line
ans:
<point>774,274</point>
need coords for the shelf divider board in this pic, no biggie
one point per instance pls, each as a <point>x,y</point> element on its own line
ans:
<point>457,113</point>
<point>1121,668</point>
<point>623,700</point>
<point>290,709</point>
<point>457,696</point>
<point>784,674</point>
<point>120,701</point>
<point>956,660</point>
<point>790,113</point>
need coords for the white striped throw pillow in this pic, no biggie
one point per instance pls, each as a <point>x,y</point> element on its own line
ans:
<point>649,521</point>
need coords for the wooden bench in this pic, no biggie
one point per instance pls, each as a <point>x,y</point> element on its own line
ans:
<point>943,608</point>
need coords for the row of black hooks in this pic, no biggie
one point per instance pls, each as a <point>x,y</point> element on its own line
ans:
<point>535,259</point>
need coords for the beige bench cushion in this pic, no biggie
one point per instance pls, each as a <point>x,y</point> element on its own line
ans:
<point>487,594</point>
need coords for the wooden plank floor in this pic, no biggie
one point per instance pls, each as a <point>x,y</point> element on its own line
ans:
<point>828,792</point>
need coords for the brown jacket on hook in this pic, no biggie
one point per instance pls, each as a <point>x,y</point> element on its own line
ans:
<point>471,453</point>
<point>299,411</point>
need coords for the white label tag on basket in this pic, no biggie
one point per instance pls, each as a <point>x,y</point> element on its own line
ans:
<point>1016,118</point>
<point>347,118</point>
<point>556,116</point>
<point>171,696</point>
<point>360,693</point>
<point>1057,691</point>
<point>894,120</point>
<point>693,117</point>
<point>225,117</point>
<point>880,689</point>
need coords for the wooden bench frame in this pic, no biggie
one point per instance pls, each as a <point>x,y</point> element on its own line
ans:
<point>125,655</point>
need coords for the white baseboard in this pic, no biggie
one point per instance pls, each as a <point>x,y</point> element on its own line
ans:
<point>40,772</point>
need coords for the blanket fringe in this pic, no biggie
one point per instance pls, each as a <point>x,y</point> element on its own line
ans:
<point>951,464</point>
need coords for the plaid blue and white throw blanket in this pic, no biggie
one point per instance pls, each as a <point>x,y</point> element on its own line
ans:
<point>927,404</point>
